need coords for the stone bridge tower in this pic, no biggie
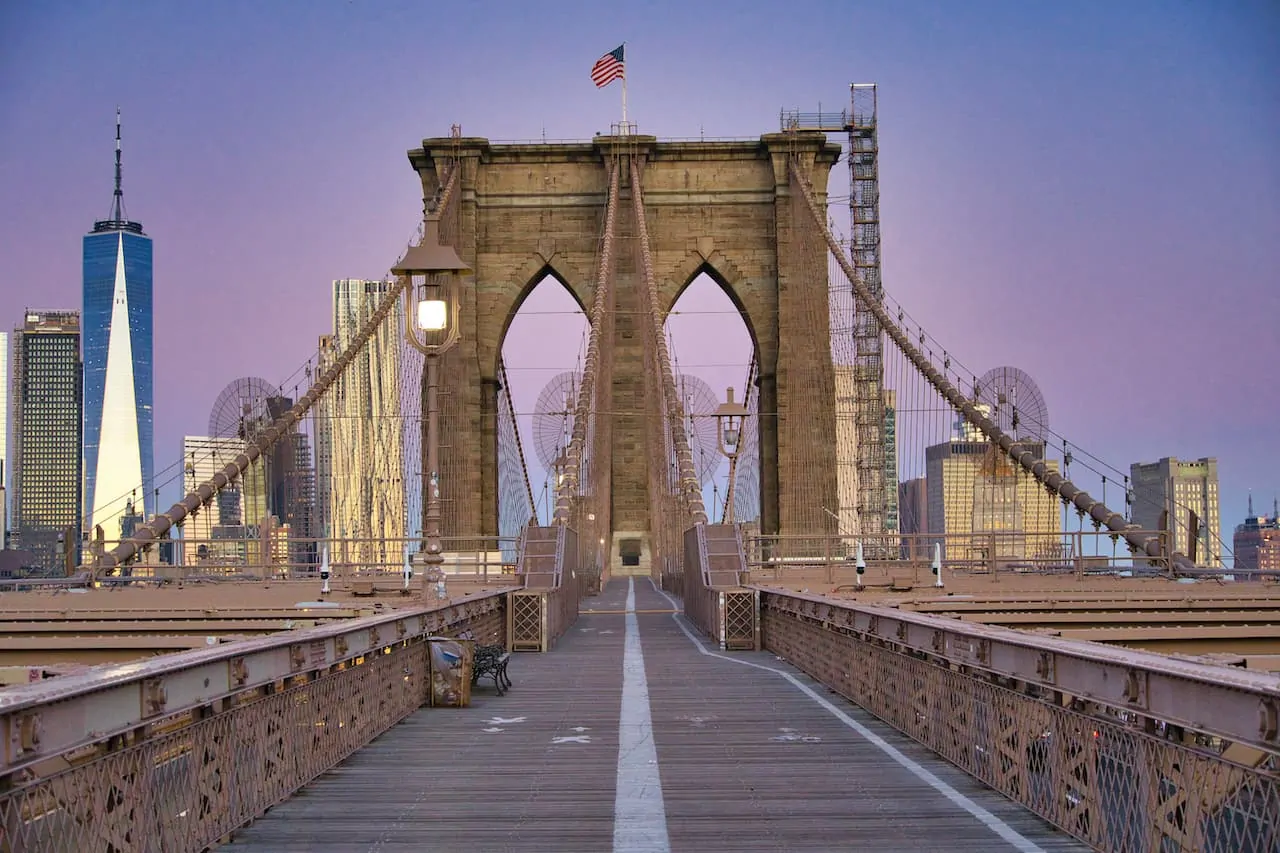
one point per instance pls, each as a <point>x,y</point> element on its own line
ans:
<point>724,208</point>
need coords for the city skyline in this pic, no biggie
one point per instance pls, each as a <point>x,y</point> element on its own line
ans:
<point>248,190</point>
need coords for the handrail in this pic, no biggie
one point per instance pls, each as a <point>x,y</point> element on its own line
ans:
<point>704,559</point>
<point>560,547</point>
<point>123,696</point>
<point>1242,706</point>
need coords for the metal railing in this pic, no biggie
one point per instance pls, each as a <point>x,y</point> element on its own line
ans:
<point>910,556</point>
<point>824,120</point>
<point>701,603</point>
<point>277,557</point>
<point>1126,750</point>
<point>713,598</point>
<point>548,605</point>
<point>176,752</point>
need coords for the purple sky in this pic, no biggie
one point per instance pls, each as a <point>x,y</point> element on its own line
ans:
<point>1088,191</point>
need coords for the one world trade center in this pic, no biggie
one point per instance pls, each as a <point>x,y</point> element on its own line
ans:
<point>118,386</point>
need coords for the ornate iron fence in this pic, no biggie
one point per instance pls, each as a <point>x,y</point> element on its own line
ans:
<point>177,752</point>
<point>1123,749</point>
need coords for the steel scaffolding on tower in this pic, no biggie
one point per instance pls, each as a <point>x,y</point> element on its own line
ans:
<point>860,382</point>
<point>864,250</point>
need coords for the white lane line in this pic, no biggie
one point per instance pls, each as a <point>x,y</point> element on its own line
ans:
<point>1019,841</point>
<point>639,815</point>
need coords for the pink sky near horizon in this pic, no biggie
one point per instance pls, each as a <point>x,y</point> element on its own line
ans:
<point>1091,194</point>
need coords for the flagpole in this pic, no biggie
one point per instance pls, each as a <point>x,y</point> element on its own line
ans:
<point>624,88</point>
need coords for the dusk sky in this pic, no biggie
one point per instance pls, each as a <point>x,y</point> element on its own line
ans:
<point>1087,190</point>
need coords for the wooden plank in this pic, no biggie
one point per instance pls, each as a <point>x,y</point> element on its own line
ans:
<point>746,762</point>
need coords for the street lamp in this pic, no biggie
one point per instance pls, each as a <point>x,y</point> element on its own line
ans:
<point>560,470</point>
<point>561,467</point>
<point>431,324</point>
<point>729,418</point>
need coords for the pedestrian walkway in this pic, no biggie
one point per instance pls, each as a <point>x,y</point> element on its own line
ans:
<point>635,736</point>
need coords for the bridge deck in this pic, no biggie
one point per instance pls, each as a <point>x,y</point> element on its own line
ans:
<point>709,752</point>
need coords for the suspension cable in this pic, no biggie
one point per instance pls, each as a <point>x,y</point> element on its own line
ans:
<point>604,281</point>
<point>1068,491</point>
<point>149,533</point>
<point>511,412</point>
<point>674,410</point>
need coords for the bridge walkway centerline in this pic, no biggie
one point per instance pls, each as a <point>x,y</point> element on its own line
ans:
<point>736,759</point>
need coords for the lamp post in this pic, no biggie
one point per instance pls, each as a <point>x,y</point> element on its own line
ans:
<point>431,325</point>
<point>559,470</point>
<point>729,418</point>
<point>560,466</point>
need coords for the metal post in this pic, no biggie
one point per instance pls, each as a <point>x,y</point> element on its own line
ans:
<point>434,559</point>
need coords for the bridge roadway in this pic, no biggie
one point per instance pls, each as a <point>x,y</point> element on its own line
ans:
<point>636,736</point>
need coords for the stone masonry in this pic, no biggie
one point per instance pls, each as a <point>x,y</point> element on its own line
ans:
<point>727,209</point>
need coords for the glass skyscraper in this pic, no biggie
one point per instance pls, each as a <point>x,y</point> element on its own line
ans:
<point>118,380</point>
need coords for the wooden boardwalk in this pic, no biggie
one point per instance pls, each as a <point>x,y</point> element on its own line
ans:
<point>685,749</point>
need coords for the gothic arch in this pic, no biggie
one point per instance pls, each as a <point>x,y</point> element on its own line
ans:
<point>721,208</point>
<point>725,273</point>
<point>520,284</point>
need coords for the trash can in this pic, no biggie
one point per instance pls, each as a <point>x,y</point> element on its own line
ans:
<point>451,661</point>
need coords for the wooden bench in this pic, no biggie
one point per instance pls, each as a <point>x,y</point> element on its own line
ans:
<point>491,661</point>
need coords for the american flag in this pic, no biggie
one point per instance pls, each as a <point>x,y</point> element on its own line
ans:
<point>608,68</point>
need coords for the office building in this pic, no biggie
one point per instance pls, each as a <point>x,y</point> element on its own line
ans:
<point>981,506</point>
<point>1180,496</point>
<point>913,506</point>
<point>322,429</point>
<point>118,364</point>
<point>203,457</point>
<point>47,414</point>
<point>4,440</point>
<point>292,487</point>
<point>891,521</point>
<point>1256,543</point>
<point>846,453</point>
<point>360,465</point>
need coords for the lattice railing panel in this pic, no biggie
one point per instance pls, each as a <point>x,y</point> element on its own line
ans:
<point>1114,787</point>
<point>186,790</point>
<point>741,614</point>
<point>527,620</point>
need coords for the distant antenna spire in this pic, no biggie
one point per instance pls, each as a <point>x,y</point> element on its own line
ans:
<point>1275,508</point>
<point>117,208</point>
<point>1250,504</point>
<point>117,221</point>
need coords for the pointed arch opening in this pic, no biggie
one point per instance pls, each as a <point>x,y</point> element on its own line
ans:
<point>713,349</point>
<point>542,352</point>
